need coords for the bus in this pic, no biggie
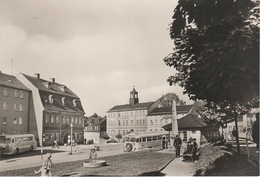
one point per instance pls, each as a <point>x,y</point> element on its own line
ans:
<point>15,144</point>
<point>136,142</point>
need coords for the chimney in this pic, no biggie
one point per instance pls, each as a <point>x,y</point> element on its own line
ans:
<point>37,75</point>
<point>53,80</point>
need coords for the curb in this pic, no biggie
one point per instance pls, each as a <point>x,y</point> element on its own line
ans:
<point>163,167</point>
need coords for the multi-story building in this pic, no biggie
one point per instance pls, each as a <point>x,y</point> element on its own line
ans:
<point>58,111</point>
<point>95,128</point>
<point>121,119</point>
<point>15,103</point>
<point>161,116</point>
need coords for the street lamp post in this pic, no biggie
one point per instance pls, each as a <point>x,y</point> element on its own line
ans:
<point>71,127</point>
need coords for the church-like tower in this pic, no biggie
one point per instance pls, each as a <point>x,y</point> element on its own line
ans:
<point>133,97</point>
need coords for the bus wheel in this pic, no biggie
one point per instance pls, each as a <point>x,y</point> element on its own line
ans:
<point>31,148</point>
<point>17,151</point>
<point>129,147</point>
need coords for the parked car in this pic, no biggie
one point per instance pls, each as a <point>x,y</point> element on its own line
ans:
<point>111,141</point>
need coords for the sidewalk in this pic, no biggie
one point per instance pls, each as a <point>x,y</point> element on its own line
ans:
<point>177,167</point>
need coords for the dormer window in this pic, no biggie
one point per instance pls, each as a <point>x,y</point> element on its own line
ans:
<point>63,100</point>
<point>47,84</point>
<point>75,103</point>
<point>62,88</point>
<point>50,99</point>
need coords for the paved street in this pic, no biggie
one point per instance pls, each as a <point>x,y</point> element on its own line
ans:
<point>33,159</point>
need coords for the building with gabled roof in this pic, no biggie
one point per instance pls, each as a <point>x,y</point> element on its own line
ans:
<point>161,116</point>
<point>15,105</point>
<point>121,119</point>
<point>57,110</point>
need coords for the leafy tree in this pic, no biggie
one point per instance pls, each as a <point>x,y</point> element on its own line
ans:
<point>216,52</point>
<point>166,100</point>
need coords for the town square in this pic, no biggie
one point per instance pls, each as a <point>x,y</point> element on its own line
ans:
<point>129,88</point>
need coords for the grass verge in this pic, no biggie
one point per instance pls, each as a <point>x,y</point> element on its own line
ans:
<point>144,163</point>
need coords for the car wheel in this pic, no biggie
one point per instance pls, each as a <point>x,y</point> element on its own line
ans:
<point>129,147</point>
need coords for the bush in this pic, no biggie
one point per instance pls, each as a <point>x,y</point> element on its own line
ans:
<point>210,157</point>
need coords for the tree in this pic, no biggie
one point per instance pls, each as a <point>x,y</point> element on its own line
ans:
<point>216,51</point>
<point>166,100</point>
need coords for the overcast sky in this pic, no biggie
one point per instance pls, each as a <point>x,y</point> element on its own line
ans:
<point>100,49</point>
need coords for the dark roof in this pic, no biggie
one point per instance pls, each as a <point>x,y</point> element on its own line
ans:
<point>55,87</point>
<point>11,81</point>
<point>168,110</point>
<point>128,107</point>
<point>187,122</point>
<point>57,104</point>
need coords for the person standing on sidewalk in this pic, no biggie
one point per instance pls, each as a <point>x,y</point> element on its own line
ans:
<point>177,144</point>
<point>255,132</point>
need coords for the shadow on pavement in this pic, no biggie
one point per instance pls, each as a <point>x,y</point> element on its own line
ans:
<point>152,173</point>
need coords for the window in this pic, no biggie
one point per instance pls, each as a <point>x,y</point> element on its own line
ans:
<point>132,122</point>
<point>20,120</point>
<point>6,92</point>
<point>68,120</point>
<point>72,119</point>
<point>4,120</point>
<point>52,119</point>
<point>123,132</point>
<point>119,122</point>
<point>63,100</point>
<point>76,120</point>
<point>15,107</point>
<point>123,122</point>
<point>21,94</point>
<point>21,107</point>
<point>143,121</point>
<point>5,106</point>
<point>15,121</point>
<point>57,119</point>
<point>79,120</point>
<point>74,103</point>
<point>126,122</point>
<point>64,119</point>
<point>118,114</point>
<point>46,118</point>
<point>16,93</point>
<point>50,99</point>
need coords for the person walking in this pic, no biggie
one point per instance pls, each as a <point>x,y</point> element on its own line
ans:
<point>45,169</point>
<point>255,132</point>
<point>177,144</point>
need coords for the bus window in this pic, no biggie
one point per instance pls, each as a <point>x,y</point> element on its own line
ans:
<point>132,140</point>
<point>160,137</point>
<point>144,139</point>
<point>154,137</point>
<point>138,140</point>
<point>149,138</point>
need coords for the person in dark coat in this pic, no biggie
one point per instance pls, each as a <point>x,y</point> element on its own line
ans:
<point>255,132</point>
<point>177,144</point>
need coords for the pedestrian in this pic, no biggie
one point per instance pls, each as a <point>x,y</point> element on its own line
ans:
<point>45,169</point>
<point>255,132</point>
<point>92,154</point>
<point>177,144</point>
<point>234,133</point>
<point>56,144</point>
